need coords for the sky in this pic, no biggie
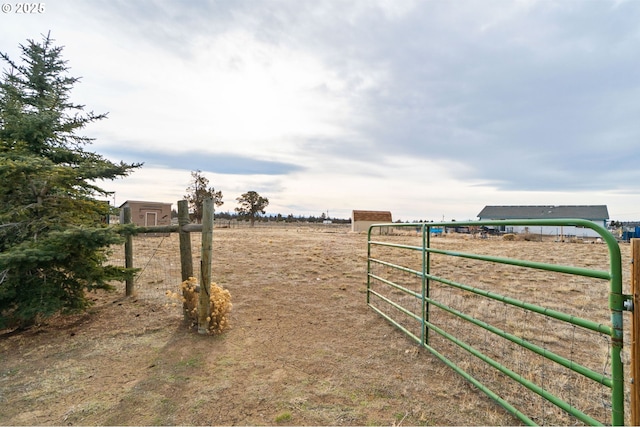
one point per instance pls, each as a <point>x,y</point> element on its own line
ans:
<point>430,109</point>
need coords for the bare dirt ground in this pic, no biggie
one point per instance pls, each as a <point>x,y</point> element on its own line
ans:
<point>303,348</point>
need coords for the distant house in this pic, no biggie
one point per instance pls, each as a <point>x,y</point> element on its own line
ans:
<point>596,213</point>
<point>362,220</point>
<point>147,214</point>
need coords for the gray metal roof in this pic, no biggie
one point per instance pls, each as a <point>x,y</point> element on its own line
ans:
<point>592,212</point>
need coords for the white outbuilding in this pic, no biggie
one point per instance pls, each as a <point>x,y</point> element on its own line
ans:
<point>362,220</point>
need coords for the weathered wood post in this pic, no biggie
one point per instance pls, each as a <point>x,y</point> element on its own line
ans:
<point>204,307</point>
<point>186,260</point>
<point>128,251</point>
<point>635,332</point>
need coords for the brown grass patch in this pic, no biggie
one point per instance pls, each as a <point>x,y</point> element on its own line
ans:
<point>302,347</point>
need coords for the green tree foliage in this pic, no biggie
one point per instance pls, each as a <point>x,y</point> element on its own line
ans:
<point>198,190</point>
<point>53,235</point>
<point>251,205</point>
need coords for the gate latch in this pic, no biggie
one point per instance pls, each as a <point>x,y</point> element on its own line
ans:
<point>621,301</point>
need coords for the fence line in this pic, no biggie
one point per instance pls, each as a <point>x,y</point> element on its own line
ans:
<point>186,258</point>
<point>423,291</point>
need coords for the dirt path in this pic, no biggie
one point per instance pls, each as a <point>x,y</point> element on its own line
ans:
<point>303,349</point>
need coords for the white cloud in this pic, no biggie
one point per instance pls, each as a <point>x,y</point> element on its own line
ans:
<point>427,108</point>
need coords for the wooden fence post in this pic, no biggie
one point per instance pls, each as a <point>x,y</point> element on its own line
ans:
<point>204,306</point>
<point>635,332</point>
<point>128,251</point>
<point>186,260</point>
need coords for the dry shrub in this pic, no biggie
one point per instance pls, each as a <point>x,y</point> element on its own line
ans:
<point>219,302</point>
<point>509,236</point>
<point>190,291</point>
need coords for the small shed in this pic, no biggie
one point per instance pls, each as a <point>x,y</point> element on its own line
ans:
<point>147,214</point>
<point>362,220</point>
<point>595,213</point>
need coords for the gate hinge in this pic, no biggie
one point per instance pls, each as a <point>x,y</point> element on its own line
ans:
<point>627,302</point>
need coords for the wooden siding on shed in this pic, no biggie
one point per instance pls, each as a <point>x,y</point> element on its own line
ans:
<point>375,216</point>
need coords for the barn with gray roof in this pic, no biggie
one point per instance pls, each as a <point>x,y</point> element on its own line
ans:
<point>599,214</point>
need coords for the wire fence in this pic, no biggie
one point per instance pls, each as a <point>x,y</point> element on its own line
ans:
<point>157,257</point>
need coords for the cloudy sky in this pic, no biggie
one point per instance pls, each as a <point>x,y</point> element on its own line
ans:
<point>431,109</point>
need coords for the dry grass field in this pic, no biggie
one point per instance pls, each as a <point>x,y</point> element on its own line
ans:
<point>303,348</point>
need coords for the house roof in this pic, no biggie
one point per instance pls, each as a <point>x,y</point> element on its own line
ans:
<point>591,212</point>
<point>380,216</point>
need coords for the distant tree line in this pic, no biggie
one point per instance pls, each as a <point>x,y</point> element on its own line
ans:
<point>229,216</point>
<point>287,218</point>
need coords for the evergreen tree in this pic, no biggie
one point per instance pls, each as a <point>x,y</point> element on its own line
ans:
<point>198,191</point>
<point>53,235</point>
<point>251,205</point>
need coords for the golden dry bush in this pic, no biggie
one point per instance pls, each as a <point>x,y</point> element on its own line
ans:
<point>189,297</point>
<point>219,301</point>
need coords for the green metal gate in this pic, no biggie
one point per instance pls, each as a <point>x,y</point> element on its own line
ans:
<point>415,285</point>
